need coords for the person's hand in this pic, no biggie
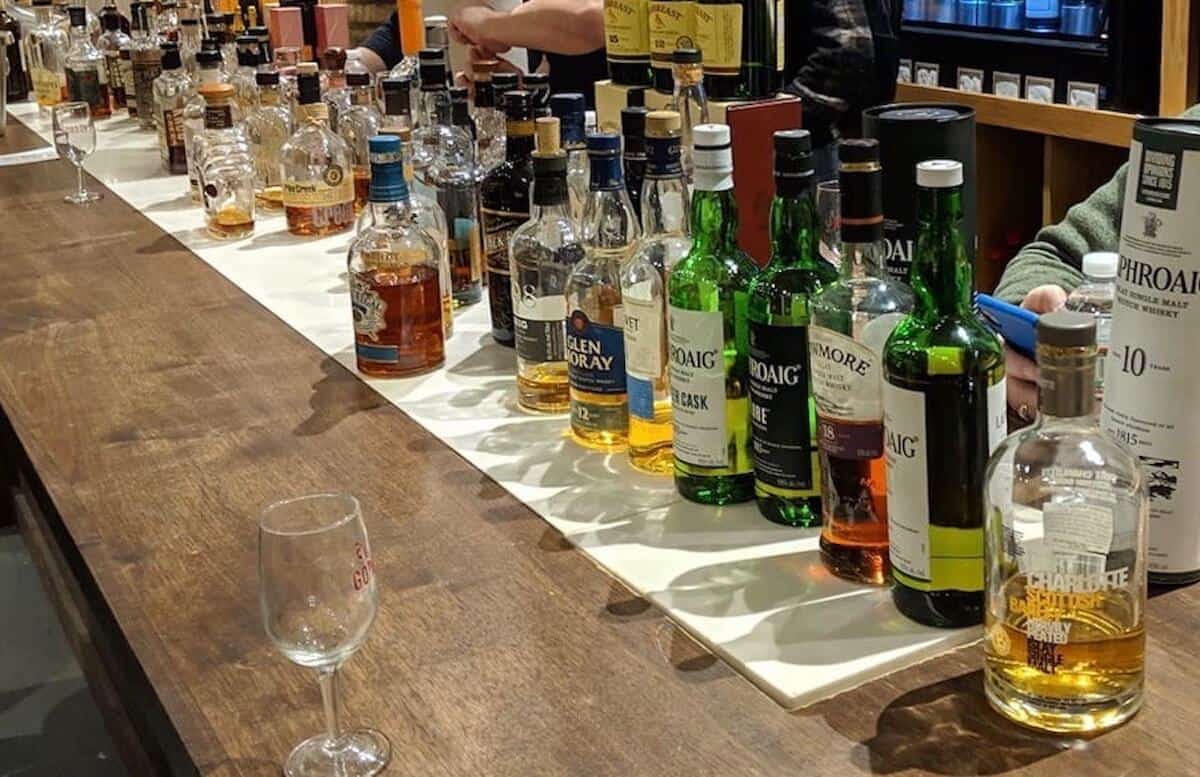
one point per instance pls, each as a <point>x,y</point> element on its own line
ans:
<point>1023,372</point>
<point>469,25</point>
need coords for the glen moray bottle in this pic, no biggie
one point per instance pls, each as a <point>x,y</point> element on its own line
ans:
<point>944,413</point>
<point>708,296</point>
<point>787,482</point>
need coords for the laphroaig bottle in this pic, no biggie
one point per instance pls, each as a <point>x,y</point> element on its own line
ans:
<point>708,295</point>
<point>571,108</point>
<point>595,328</point>
<point>944,413</point>
<point>787,482</point>
<point>1096,295</point>
<point>1067,511</point>
<point>644,293</point>
<point>627,41</point>
<point>542,252</point>
<point>851,321</point>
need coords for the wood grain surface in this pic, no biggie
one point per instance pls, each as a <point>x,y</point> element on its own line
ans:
<point>161,409</point>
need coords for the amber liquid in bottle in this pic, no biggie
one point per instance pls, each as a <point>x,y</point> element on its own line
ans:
<point>231,223</point>
<point>362,188</point>
<point>412,335</point>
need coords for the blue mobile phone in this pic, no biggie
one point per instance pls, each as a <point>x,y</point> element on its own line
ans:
<point>1017,326</point>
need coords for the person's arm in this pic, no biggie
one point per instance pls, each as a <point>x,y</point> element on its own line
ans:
<point>559,26</point>
<point>380,51</point>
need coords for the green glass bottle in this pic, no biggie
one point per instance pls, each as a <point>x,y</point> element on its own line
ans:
<point>708,295</point>
<point>787,481</point>
<point>944,413</point>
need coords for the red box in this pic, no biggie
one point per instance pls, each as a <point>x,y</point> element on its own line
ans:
<point>333,26</point>
<point>752,127</point>
<point>286,27</point>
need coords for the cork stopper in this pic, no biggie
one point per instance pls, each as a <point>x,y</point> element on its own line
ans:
<point>662,124</point>
<point>218,91</point>
<point>547,131</point>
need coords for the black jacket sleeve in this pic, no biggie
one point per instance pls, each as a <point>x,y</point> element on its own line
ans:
<point>385,41</point>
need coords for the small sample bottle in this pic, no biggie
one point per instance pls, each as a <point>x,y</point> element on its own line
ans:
<point>46,46</point>
<point>335,93</point>
<point>633,155</point>
<point>453,181</point>
<point>172,90</point>
<point>87,77</point>
<point>1096,296</point>
<point>226,166</point>
<point>268,126</point>
<point>189,43</point>
<point>571,109</point>
<point>1067,512</point>
<point>595,328</point>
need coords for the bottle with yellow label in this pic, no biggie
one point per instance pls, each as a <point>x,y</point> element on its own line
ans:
<point>318,183</point>
<point>737,39</point>
<point>627,41</point>
<point>672,25</point>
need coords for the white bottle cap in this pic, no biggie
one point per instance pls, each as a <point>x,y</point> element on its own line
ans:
<point>712,157</point>
<point>1101,264</point>
<point>939,174</point>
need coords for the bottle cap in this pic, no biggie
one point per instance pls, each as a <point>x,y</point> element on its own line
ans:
<point>570,109</point>
<point>110,20</point>
<point>662,124</point>
<point>859,151</point>
<point>170,56</point>
<point>77,15</point>
<point>396,84</point>
<point>308,84</point>
<point>358,78</point>
<point>437,33</point>
<point>518,105</point>
<point>1101,264</point>
<point>1066,329</point>
<point>386,155</point>
<point>686,57</point>
<point>636,97</point>
<point>459,94</point>
<point>41,3</point>
<point>217,91</point>
<point>208,58</point>
<point>546,128</point>
<point>712,157</point>
<point>601,144</point>
<point>861,183</point>
<point>267,78</point>
<point>633,121</point>
<point>189,22</point>
<point>939,174</point>
<point>432,70</point>
<point>505,81</point>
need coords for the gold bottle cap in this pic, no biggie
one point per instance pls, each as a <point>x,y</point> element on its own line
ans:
<point>662,124</point>
<point>548,137</point>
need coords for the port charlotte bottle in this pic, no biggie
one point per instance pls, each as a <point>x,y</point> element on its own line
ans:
<point>595,327</point>
<point>708,295</point>
<point>944,413</point>
<point>852,319</point>
<point>787,482</point>
<point>1066,551</point>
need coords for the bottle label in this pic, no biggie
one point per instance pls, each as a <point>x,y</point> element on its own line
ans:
<point>899,239</point>
<point>112,65</point>
<point>146,67</point>
<point>498,226</point>
<point>125,70</point>
<point>47,86</point>
<point>369,309</point>
<point>334,187</point>
<point>780,38</point>
<point>671,27</point>
<point>625,30</point>
<point>779,407</point>
<point>465,248</point>
<point>643,347</point>
<point>171,144</point>
<point>847,380</point>
<point>698,387</point>
<point>595,355</point>
<point>218,116</point>
<point>719,37</point>
<point>538,325</point>
<point>663,158</point>
<point>84,86</point>
<point>1153,368</point>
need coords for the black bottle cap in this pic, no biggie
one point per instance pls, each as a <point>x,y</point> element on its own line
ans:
<point>308,84</point>
<point>518,105</point>
<point>109,18</point>
<point>355,78</point>
<point>214,20</point>
<point>190,22</point>
<point>210,57</point>
<point>504,82</point>
<point>1066,329</point>
<point>635,97</point>
<point>485,95</point>
<point>397,84</point>
<point>686,57</point>
<point>397,94</point>
<point>793,153</point>
<point>170,56</point>
<point>861,185</point>
<point>247,51</point>
<point>77,15</point>
<point>41,3</point>
<point>537,81</point>
<point>259,32</point>
<point>859,151</point>
<point>633,128</point>
<point>549,166</point>
<point>267,78</point>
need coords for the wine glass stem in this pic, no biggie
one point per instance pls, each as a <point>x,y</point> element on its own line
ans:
<point>333,722</point>
<point>79,180</point>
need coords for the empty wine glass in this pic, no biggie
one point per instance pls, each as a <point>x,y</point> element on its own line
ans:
<point>829,211</point>
<point>318,596</point>
<point>75,139</point>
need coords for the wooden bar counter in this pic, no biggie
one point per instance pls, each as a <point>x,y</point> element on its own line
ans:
<point>151,409</point>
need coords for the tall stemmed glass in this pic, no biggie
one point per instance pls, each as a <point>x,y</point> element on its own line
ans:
<point>75,139</point>
<point>318,595</point>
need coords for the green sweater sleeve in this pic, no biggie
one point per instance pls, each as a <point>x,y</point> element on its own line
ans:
<point>1056,254</point>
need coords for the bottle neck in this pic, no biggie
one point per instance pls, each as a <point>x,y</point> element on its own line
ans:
<point>861,260</point>
<point>209,75</point>
<point>268,94</point>
<point>362,95</point>
<point>793,223</point>
<point>657,195</point>
<point>519,143</point>
<point>1066,382</point>
<point>942,276</point>
<point>605,173</point>
<point>389,211</point>
<point>714,220</point>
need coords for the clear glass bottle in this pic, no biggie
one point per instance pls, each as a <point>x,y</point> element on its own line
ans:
<point>489,126</point>
<point>595,326</point>
<point>166,23</point>
<point>226,165</point>
<point>172,90</point>
<point>570,108</point>
<point>335,93</point>
<point>787,468</point>
<point>1096,295</point>
<point>359,122</point>
<point>397,107</point>
<point>541,254</point>
<point>243,79</point>
<point>87,77</point>
<point>268,127</point>
<point>455,179</point>
<point>433,113</point>
<point>395,280</point>
<point>633,154</point>
<point>689,99</point>
<point>110,43</point>
<point>146,60</point>
<point>16,80</point>
<point>1067,512</point>
<point>47,46</point>
<point>944,413</point>
<point>208,71</point>
<point>852,319</point>
<point>708,294</point>
<point>189,40</point>
<point>644,292</point>
<point>318,181</point>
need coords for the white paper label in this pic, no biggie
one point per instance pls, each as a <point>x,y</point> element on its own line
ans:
<point>643,336</point>
<point>1154,356</point>
<point>698,387</point>
<point>846,377</point>
<point>1077,527</point>
<point>907,480</point>
<point>531,308</point>
<point>997,410</point>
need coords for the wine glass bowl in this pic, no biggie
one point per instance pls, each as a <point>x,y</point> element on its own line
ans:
<point>75,140</point>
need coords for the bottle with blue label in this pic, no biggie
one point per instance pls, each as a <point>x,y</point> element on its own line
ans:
<point>1042,15</point>
<point>599,404</point>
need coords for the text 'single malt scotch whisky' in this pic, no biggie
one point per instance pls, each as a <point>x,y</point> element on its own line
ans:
<point>944,413</point>
<point>644,293</point>
<point>852,319</point>
<point>708,296</point>
<point>595,324</point>
<point>787,481</point>
<point>542,252</point>
<point>1067,512</point>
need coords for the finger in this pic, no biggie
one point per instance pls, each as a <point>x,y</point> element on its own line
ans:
<point>1045,299</point>
<point>1022,397</point>
<point>1020,367</point>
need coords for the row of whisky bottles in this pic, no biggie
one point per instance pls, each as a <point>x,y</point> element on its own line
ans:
<point>1044,542</point>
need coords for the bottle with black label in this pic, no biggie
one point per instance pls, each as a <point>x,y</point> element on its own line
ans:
<point>542,253</point>
<point>627,41</point>
<point>708,293</point>
<point>944,413</point>
<point>787,482</point>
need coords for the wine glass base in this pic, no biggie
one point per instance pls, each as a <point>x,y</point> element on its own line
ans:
<point>358,753</point>
<point>82,198</point>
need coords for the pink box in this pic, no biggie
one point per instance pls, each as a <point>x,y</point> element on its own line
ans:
<point>333,26</point>
<point>286,27</point>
